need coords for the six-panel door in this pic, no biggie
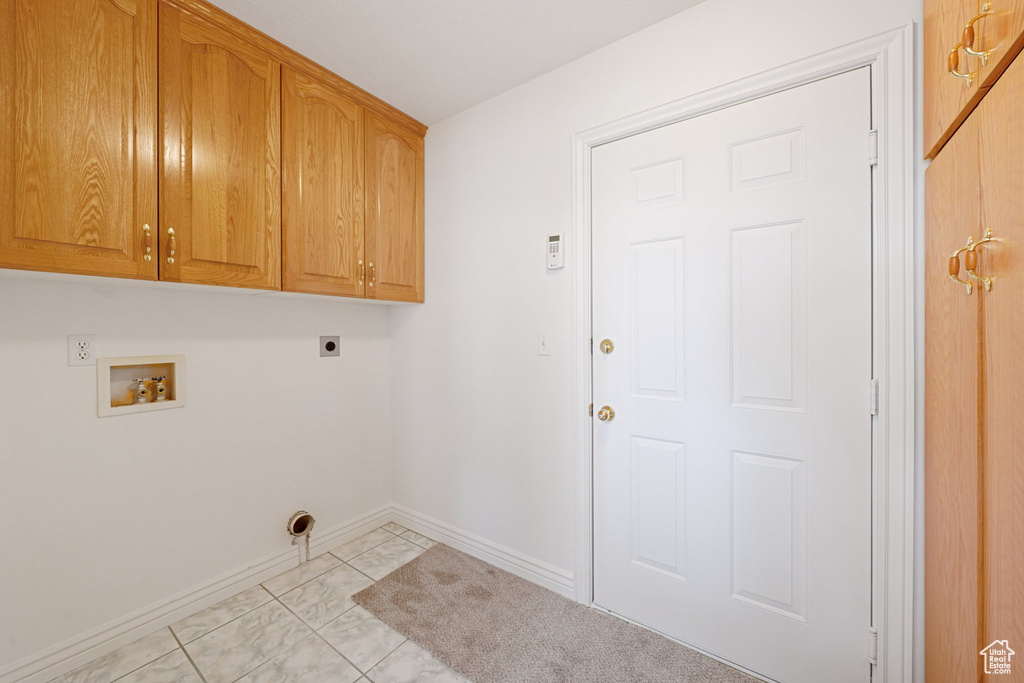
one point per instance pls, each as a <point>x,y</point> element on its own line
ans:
<point>77,136</point>
<point>220,189</point>
<point>394,211</point>
<point>323,189</point>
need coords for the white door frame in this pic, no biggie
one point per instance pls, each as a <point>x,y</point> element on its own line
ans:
<point>890,56</point>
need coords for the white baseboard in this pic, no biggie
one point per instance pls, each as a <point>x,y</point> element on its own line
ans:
<point>83,648</point>
<point>558,580</point>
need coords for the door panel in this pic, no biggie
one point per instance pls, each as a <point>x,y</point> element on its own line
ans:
<point>77,148</point>
<point>1002,367</point>
<point>323,189</point>
<point>394,211</point>
<point>952,457</point>
<point>221,187</point>
<point>732,270</point>
<point>948,99</point>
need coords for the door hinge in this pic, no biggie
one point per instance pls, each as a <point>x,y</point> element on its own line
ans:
<point>591,346</point>
<point>873,396</point>
<point>873,147</point>
<point>873,645</point>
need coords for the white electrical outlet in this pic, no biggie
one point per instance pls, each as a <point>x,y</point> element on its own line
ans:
<point>81,349</point>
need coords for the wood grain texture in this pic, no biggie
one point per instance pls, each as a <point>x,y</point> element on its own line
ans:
<point>322,158</point>
<point>214,16</point>
<point>952,453</point>
<point>1002,33</point>
<point>948,100</point>
<point>394,215</point>
<point>220,189</point>
<point>77,145</point>
<point>1001,123</point>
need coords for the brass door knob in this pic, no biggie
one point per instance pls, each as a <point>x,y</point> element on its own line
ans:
<point>607,346</point>
<point>606,414</point>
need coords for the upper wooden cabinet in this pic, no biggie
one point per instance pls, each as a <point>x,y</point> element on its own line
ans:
<point>271,172</point>
<point>78,136</point>
<point>394,217</point>
<point>220,186</point>
<point>976,39</point>
<point>323,189</point>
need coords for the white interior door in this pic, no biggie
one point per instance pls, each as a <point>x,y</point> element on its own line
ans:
<point>732,488</point>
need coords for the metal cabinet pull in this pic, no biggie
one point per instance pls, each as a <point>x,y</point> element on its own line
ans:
<point>953,64</point>
<point>954,265</point>
<point>147,243</point>
<point>172,245</point>
<point>972,261</point>
<point>362,272</point>
<point>969,35</point>
<point>373,273</point>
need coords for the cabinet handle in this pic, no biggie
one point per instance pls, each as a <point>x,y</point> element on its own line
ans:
<point>172,245</point>
<point>147,243</point>
<point>954,265</point>
<point>373,273</point>
<point>969,36</point>
<point>362,272</point>
<point>954,63</point>
<point>972,260</point>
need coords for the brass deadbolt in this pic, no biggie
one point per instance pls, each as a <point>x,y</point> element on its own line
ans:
<point>607,346</point>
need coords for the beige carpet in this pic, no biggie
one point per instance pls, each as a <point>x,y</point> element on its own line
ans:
<point>492,626</point>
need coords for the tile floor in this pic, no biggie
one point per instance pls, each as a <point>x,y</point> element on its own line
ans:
<point>300,626</point>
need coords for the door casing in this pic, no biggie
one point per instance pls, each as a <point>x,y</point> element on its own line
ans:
<point>890,56</point>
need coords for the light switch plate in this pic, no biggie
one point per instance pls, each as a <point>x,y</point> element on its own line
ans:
<point>330,346</point>
<point>81,349</point>
<point>543,345</point>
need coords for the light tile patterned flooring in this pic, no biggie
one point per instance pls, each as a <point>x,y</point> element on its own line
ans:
<point>300,626</point>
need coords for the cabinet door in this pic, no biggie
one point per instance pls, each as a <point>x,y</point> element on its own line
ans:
<point>1001,119</point>
<point>952,457</point>
<point>78,136</point>
<point>220,191</point>
<point>323,189</point>
<point>394,216</point>
<point>948,99</point>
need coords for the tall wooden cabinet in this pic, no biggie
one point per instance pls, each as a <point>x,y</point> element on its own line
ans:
<point>220,185</point>
<point>78,101</point>
<point>271,172</point>
<point>974,402</point>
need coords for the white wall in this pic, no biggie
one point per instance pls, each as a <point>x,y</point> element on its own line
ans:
<point>484,433</point>
<point>101,517</point>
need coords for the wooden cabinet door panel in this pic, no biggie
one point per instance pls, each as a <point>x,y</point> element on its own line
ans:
<point>1001,33</point>
<point>221,185</point>
<point>948,99</point>
<point>323,189</point>
<point>394,211</point>
<point>77,144</point>
<point>1001,120</point>
<point>952,455</point>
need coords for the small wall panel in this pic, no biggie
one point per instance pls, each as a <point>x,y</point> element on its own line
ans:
<point>658,505</point>
<point>657,311</point>
<point>656,185</point>
<point>769,535</point>
<point>769,314</point>
<point>768,161</point>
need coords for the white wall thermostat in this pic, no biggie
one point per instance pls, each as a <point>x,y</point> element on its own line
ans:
<point>556,252</point>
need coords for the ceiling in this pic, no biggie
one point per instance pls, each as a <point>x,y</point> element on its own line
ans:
<point>434,58</point>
